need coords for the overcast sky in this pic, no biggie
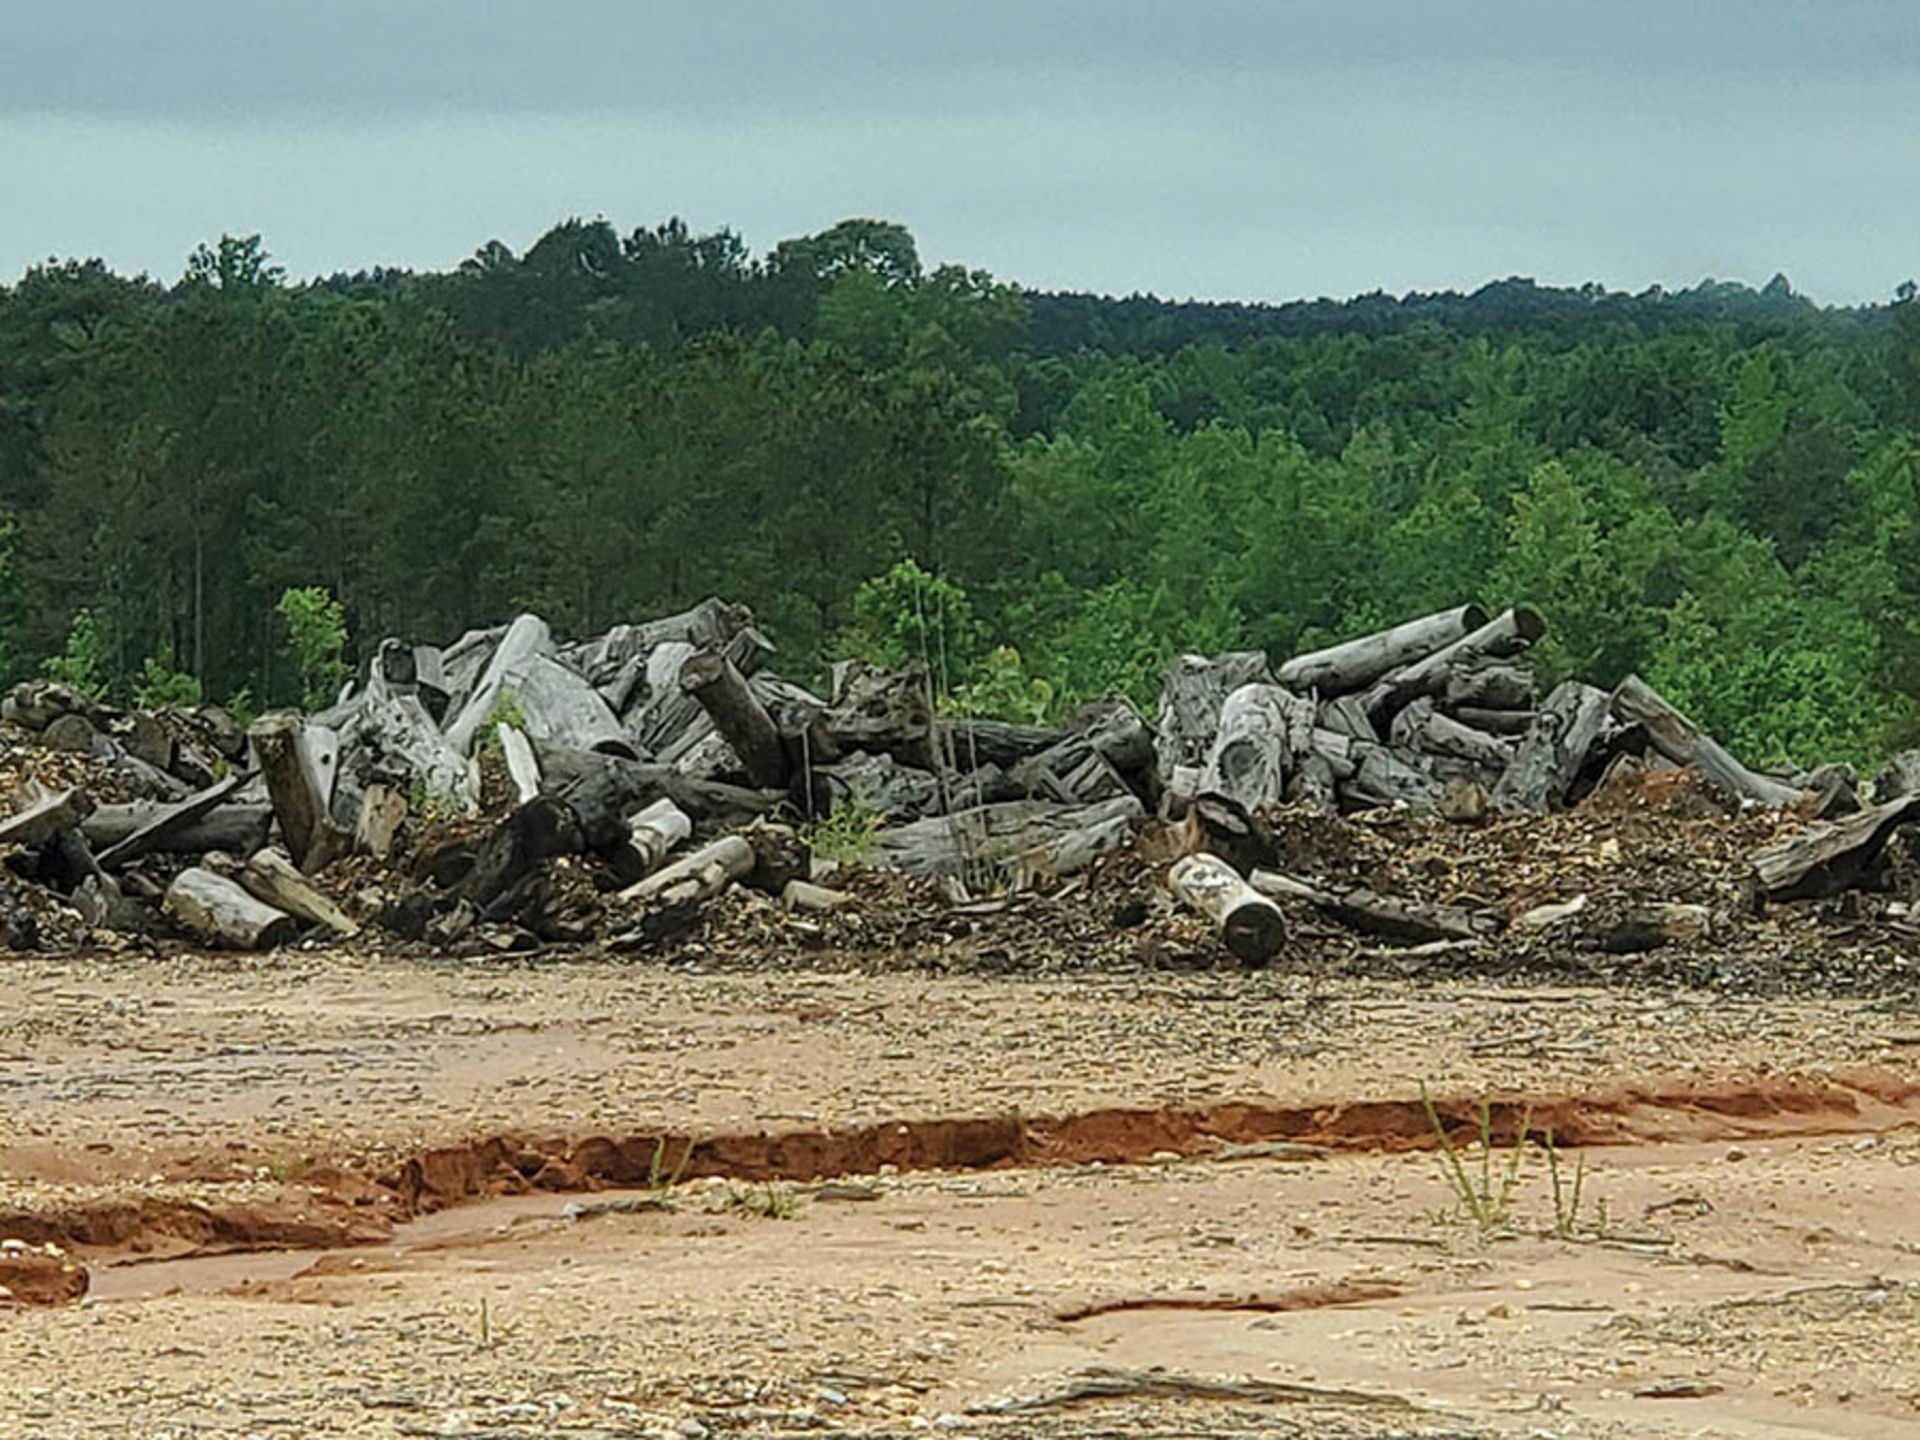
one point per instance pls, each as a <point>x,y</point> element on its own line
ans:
<point>1255,149</point>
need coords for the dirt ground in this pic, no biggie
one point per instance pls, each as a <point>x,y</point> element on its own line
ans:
<point>323,1194</point>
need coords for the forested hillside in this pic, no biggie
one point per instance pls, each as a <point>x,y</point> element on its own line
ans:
<point>1715,487</point>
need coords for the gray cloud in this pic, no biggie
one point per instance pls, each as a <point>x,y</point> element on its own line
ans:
<point>1235,149</point>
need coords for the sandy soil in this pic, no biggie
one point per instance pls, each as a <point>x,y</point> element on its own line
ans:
<point>1200,1194</point>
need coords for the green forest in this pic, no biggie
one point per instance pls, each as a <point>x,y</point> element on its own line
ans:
<point>1717,487</point>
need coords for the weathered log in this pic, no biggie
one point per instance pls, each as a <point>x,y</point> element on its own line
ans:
<point>36,704</point>
<point>699,876</point>
<point>465,660</point>
<point>1507,633</point>
<point>523,771</point>
<point>232,829</point>
<point>1899,776</point>
<point>527,837</point>
<point>713,624</point>
<point>214,909</point>
<point>969,744</point>
<point>874,783</point>
<point>737,714</point>
<point>651,836</point>
<point>811,898</point>
<point>398,730</point>
<point>46,818</point>
<point>1496,722</point>
<point>1190,701</point>
<point>1637,703</point>
<point>169,820</point>
<point>270,877</point>
<point>1421,727</point>
<point>1252,927</point>
<point>1347,715</point>
<point>1489,684</point>
<point>891,711</point>
<point>1832,856</point>
<point>1034,835</point>
<point>1356,664</point>
<point>1071,771</point>
<point>780,855</point>
<point>1553,750</point>
<point>300,788</point>
<point>1264,732</point>
<point>987,785</point>
<point>1116,728</point>
<point>710,803</point>
<point>1408,921</point>
<point>526,640</point>
<point>1383,777</point>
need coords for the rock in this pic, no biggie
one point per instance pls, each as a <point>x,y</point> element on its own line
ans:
<point>40,1275</point>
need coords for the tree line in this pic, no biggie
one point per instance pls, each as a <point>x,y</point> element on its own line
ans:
<point>1046,496</point>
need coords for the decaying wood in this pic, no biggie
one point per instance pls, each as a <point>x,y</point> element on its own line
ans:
<point>531,834</point>
<point>300,790</point>
<point>780,856</point>
<point>1358,908</point>
<point>1832,856</point>
<point>1251,926</point>
<point>1117,729</point>
<point>271,878</point>
<point>1263,733</point>
<point>1190,700</point>
<point>1899,776</point>
<point>1553,750</point>
<point>169,820</point>
<point>1507,633</point>
<point>1356,664</point>
<point>1072,771</point>
<point>891,711</point>
<point>46,818</point>
<point>699,876</point>
<point>1489,685</point>
<point>523,771</point>
<point>1496,722</point>
<point>876,783</point>
<point>737,714</point>
<point>1439,734</point>
<point>1036,835</point>
<point>968,744</point>
<point>214,909</point>
<point>396,734</point>
<point>631,785</point>
<point>1347,715</point>
<point>1103,1382</point>
<point>1681,741</point>
<point>233,828</point>
<point>523,641</point>
<point>1382,777</point>
<point>651,836</point>
<point>813,899</point>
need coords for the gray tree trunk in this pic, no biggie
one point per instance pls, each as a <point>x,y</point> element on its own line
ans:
<point>1356,664</point>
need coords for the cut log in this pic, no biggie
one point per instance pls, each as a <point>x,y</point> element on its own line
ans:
<point>395,734</point>
<point>169,820</point>
<point>522,769</point>
<point>215,910</point>
<point>737,714</point>
<point>1190,701</point>
<point>1411,922</point>
<point>382,811</point>
<point>232,829</point>
<point>527,639</point>
<point>1553,751</point>
<point>1680,740</point>
<point>1421,727</point>
<point>994,841</point>
<point>1072,771</point>
<point>813,899</point>
<point>46,818</point>
<point>1507,633</point>
<point>270,877</point>
<point>1264,732</point>
<point>1496,722</point>
<point>699,876</point>
<point>300,789</point>
<point>1489,684</point>
<point>1356,664</point>
<point>1899,776</point>
<point>1251,926</point>
<point>1115,727</point>
<point>873,783</point>
<point>969,744</point>
<point>711,804</point>
<point>1830,857</point>
<point>1383,777</point>
<point>1348,716</point>
<point>890,711</point>
<point>651,837</point>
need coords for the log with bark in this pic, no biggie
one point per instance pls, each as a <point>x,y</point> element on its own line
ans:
<point>290,757</point>
<point>271,878</point>
<point>1681,741</point>
<point>1553,751</point>
<point>1190,700</point>
<point>169,821</point>
<point>1356,664</point>
<point>1508,633</point>
<point>700,876</point>
<point>1035,835</point>
<point>1831,856</point>
<point>1411,922</point>
<point>233,829</point>
<point>46,818</point>
<point>217,911</point>
<point>1264,732</point>
<point>722,691</point>
<point>1251,926</point>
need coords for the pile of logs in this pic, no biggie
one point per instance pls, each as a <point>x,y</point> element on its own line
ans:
<point>673,763</point>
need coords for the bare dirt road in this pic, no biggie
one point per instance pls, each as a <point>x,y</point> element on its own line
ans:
<point>345,1195</point>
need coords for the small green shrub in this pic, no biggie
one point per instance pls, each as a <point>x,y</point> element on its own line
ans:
<point>82,665</point>
<point>160,686</point>
<point>317,638</point>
